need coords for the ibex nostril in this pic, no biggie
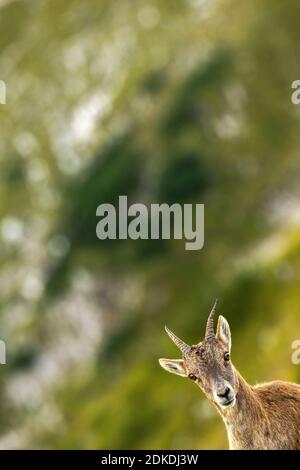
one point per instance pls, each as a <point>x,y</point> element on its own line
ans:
<point>224,392</point>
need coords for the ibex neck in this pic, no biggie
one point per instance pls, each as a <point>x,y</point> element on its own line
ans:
<point>243,417</point>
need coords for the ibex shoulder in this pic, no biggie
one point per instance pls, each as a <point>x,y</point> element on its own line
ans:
<point>278,392</point>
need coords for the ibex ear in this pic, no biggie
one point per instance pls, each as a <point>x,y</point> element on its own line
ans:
<point>223,332</point>
<point>175,366</point>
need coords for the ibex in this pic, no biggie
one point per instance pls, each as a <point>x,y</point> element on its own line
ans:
<point>265,416</point>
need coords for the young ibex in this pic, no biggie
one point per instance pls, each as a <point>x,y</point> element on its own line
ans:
<point>265,416</point>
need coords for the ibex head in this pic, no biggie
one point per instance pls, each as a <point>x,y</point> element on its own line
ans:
<point>208,363</point>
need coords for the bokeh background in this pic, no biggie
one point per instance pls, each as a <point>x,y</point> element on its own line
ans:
<point>162,100</point>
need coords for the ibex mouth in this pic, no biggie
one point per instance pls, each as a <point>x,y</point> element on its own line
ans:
<point>228,403</point>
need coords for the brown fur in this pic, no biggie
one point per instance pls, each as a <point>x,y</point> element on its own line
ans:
<point>266,416</point>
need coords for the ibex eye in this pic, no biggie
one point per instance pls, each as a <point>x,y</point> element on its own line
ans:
<point>227,356</point>
<point>192,377</point>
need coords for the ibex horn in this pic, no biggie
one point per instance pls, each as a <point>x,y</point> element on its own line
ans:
<point>210,331</point>
<point>184,348</point>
